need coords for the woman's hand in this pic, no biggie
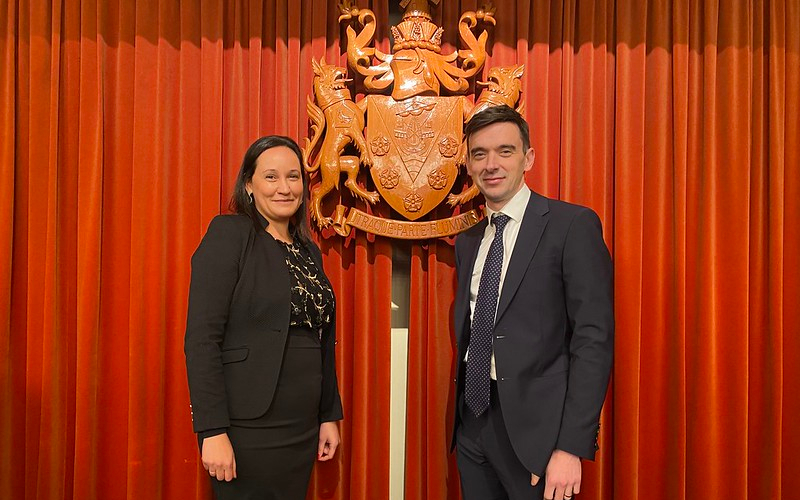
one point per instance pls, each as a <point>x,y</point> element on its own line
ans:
<point>328,440</point>
<point>218,459</point>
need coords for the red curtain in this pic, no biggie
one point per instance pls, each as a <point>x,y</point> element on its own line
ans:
<point>122,125</point>
<point>679,123</point>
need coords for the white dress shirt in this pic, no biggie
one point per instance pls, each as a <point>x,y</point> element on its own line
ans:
<point>515,209</point>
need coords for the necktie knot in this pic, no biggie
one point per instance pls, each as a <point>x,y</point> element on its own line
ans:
<point>500,220</point>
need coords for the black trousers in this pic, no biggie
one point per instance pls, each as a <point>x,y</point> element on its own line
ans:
<point>488,466</point>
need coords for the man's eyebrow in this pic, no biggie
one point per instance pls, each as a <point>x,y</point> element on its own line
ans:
<point>480,149</point>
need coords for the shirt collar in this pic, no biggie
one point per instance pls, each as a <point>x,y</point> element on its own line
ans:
<point>515,208</point>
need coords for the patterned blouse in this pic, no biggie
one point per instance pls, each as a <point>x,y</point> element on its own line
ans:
<point>312,297</point>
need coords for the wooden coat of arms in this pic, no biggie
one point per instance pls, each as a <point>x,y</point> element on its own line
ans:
<point>413,142</point>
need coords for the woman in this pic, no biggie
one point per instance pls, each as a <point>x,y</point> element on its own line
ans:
<point>260,336</point>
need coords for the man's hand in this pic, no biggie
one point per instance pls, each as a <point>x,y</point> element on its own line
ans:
<point>562,477</point>
<point>218,459</point>
<point>328,441</point>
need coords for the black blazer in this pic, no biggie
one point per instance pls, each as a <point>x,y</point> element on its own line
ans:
<point>237,325</point>
<point>553,336</point>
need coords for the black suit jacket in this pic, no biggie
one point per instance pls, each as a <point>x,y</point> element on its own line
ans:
<point>237,325</point>
<point>553,336</point>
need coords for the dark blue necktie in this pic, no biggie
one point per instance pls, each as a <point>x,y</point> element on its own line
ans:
<point>480,338</point>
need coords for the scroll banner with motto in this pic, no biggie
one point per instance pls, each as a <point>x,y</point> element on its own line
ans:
<point>408,135</point>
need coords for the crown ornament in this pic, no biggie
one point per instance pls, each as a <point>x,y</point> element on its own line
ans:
<point>416,29</point>
<point>416,65</point>
<point>417,33</point>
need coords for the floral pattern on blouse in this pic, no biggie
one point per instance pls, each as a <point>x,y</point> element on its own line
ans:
<point>312,296</point>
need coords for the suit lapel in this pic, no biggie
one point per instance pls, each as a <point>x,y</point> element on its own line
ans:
<point>472,243</point>
<point>530,233</point>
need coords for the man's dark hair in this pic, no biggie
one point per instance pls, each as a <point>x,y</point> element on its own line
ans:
<point>241,203</point>
<point>499,114</point>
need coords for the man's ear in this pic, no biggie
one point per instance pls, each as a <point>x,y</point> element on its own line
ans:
<point>530,156</point>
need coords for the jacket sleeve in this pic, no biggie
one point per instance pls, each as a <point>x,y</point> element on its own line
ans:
<point>215,272</point>
<point>330,405</point>
<point>588,288</point>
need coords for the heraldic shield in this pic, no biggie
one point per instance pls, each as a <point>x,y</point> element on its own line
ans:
<point>414,145</point>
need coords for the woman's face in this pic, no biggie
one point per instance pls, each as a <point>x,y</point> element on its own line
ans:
<point>277,184</point>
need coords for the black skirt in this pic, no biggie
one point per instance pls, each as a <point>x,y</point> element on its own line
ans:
<point>275,453</point>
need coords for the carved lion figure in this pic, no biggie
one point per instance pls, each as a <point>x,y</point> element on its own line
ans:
<point>342,121</point>
<point>503,86</point>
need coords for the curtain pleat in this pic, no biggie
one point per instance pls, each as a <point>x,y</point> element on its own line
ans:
<point>784,236</point>
<point>122,127</point>
<point>430,468</point>
<point>10,411</point>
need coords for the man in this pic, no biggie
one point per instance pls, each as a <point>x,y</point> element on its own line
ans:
<point>534,323</point>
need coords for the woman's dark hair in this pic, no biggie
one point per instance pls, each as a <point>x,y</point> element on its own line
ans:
<point>241,202</point>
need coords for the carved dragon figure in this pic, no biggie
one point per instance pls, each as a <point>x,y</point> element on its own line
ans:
<point>344,121</point>
<point>503,86</point>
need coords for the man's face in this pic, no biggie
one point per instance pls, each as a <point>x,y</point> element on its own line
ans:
<point>497,162</point>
